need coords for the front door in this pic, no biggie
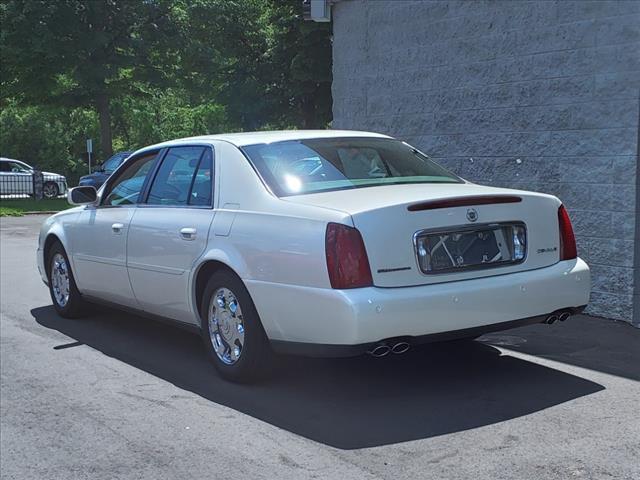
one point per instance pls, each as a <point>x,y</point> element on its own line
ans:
<point>169,232</point>
<point>99,238</point>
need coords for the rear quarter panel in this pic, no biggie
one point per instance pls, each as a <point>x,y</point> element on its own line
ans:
<point>261,237</point>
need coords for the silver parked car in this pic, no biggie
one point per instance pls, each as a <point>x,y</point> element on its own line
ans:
<point>16,179</point>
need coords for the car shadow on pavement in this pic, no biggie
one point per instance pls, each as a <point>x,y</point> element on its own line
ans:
<point>345,403</point>
<point>588,342</point>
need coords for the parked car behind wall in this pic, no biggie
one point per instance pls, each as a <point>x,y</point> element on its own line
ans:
<point>101,173</point>
<point>16,179</point>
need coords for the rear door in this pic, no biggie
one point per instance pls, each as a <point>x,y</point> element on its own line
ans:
<point>169,231</point>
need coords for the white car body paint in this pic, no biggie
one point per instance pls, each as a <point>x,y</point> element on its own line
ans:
<point>277,247</point>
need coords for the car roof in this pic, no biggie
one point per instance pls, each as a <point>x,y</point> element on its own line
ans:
<point>243,139</point>
<point>5,159</point>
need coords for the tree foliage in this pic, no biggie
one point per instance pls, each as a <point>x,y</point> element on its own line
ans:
<point>136,72</point>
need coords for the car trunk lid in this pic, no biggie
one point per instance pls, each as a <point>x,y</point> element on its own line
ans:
<point>432,233</point>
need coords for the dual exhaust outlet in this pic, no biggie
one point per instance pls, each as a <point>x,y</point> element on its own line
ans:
<point>554,317</point>
<point>382,349</point>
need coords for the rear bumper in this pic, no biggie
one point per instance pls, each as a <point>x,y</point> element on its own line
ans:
<point>306,315</point>
<point>324,350</point>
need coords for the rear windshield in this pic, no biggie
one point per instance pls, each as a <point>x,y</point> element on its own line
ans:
<point>324,164</point>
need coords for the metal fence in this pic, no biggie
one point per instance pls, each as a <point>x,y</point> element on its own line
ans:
<point>33,184</point>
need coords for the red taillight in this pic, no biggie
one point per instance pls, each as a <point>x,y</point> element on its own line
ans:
<point>568,250</point>
<point>347,261</point>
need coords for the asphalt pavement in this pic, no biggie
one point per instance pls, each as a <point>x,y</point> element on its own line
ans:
<point>119,396</point>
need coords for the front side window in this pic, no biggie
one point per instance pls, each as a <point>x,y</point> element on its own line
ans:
<point>184,178</point>
<point>126,188</point>
<point>325,164</point>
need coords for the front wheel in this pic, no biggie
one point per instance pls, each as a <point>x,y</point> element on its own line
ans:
<point>62,286</point>
<point>231,329</point>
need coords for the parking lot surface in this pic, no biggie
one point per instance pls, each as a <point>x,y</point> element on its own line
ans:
<point>118,396</point>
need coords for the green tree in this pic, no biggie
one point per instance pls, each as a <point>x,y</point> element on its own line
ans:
<point>301,55</point>
<point>141,71</point>
<point>73,53</point>
<point>164,114</point>
<point>258,58</point>
<point>52,139</point>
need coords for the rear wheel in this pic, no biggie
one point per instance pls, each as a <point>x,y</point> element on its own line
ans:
<point>50,190</point>
<point>62,286</point>
<point>231,329</point>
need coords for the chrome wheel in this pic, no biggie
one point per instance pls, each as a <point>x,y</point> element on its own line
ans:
<point>226,325</point>
<point>50,190</point>
<point>60,279</point>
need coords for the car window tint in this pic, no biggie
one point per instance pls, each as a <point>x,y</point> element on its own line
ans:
<point>324,164</point>
<point>127,187</point>
<point>172,183</point>
<point>4,167</point>
<point>202,189</point>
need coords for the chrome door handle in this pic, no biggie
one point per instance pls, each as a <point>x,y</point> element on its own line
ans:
<point>188,233</point>
<point>117,227</point>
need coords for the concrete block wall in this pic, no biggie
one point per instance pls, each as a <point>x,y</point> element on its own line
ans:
<point>540,95</point>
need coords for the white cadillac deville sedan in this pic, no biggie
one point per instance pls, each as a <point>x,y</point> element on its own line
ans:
<point>324,243</point>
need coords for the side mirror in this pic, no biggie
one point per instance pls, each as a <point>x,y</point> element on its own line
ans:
<point>85,195</point>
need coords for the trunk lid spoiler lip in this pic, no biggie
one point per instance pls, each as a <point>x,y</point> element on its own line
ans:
<point>466,201</point>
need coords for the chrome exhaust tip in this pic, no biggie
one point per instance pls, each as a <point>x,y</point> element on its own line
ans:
<point>564,316</point>
<point>400,347</point>
<point>551,319</point>
<point>379,350</point>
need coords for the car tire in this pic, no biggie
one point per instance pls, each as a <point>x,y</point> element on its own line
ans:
<point>233,336</point>
<point>66,298</point>
<point>50,190</point>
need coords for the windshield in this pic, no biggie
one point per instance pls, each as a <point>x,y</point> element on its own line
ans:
<point>325,164</point>
<point>114,162</point>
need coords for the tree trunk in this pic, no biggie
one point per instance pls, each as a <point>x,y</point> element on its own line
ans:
<point>308,108</point>
<point>104,114</point>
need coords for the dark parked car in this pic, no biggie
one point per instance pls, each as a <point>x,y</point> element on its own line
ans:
<point>100,174</point>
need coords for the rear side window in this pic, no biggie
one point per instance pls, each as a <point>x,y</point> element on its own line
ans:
<point>201,192</point>
<point>184,178</point>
